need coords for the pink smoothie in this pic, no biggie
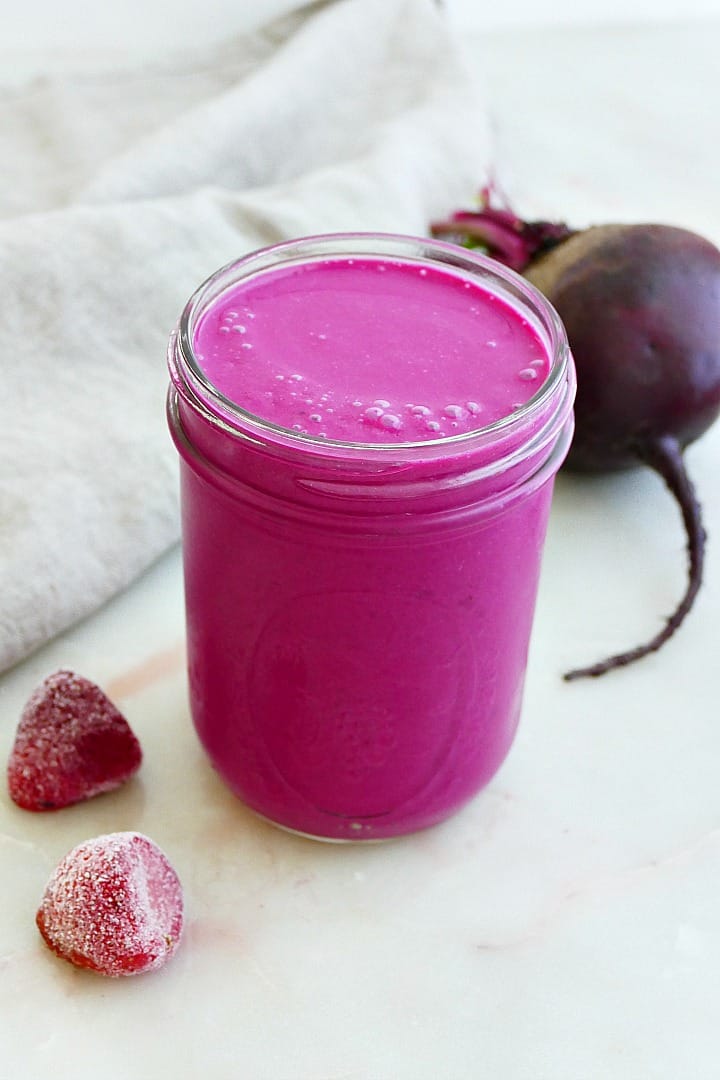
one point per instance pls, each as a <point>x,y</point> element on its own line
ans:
<point>370,350</point>
<point>359,615</point>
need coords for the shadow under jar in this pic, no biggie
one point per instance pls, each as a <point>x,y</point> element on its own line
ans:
<point>369,428</point>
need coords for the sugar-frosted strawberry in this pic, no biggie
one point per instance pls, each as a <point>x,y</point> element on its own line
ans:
<point>71,743</point>
<point>114,905</point>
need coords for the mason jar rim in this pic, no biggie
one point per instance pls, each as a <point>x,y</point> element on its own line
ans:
<point>190,379</point>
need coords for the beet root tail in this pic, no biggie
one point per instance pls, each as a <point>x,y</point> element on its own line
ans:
<point>664,455</point>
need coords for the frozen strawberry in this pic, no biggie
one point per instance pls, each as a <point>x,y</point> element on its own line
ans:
<point>71,743</point>
<point>114,905</point>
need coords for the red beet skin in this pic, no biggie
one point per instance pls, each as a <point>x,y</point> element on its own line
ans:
<point>641,306</point>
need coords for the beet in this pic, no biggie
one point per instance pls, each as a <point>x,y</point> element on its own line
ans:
<point>641,306</point>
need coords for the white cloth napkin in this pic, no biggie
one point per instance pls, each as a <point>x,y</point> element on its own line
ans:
<point>120,193</point>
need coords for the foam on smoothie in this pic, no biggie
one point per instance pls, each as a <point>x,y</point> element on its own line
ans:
<point>370,350</point>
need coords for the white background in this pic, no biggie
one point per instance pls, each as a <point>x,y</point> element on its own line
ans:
<point>477,14</point>
<point>146,25</point>
<point>566,925</point>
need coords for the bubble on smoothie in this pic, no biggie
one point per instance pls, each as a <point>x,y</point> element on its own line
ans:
<point>456,411</point>
<point>390,421</point>
<point>224,329</point>
<point>421,410</point>
<point>537,363</point>
<point>381,403</point>
<point>296,377</point>
<point>473,407</point>
<point>491,344</point>
<point>528,374</point>
<point>374,412</point>
<point>432,425</point>
<point>315,417</point>
<point>240,329</point>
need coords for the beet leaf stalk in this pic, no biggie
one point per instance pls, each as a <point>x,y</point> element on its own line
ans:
<point>501,233</point>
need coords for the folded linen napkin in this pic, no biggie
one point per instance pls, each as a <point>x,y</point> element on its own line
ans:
<point>120,193</point>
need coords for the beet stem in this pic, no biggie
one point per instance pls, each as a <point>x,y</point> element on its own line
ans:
<point>665,457</point>
<point>506,237</point>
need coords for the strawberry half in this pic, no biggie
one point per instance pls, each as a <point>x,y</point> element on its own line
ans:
<point>114,905</point>
<point>71,743</point>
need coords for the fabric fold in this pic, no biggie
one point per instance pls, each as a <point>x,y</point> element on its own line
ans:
<point>122,193</point>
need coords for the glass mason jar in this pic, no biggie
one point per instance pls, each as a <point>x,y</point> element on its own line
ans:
<point>359,614</point>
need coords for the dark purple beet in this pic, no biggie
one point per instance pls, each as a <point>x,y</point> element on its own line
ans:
<point>641,306</point>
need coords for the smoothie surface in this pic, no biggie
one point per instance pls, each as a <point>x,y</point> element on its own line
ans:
<point>369,350</point>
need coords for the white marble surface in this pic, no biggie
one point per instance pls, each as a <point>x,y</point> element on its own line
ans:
<point>566,925</point>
